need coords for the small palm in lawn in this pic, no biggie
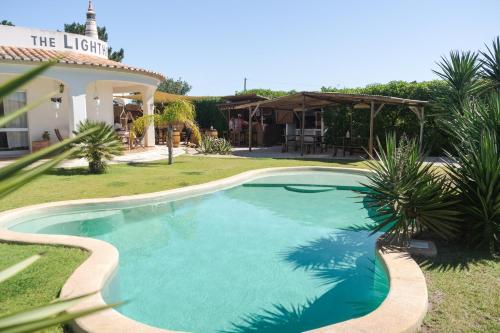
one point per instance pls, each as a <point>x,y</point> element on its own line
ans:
<point>100,146</point>
<point>177,112</point>
<point>407,195</point>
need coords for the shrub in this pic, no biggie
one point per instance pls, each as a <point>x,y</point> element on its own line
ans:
<point>407,195</point>
<point>211,145</point>
<point>98,146</point>
<point>476,171</point>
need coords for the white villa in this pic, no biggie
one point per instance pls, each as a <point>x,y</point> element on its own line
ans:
<point>85,79</point>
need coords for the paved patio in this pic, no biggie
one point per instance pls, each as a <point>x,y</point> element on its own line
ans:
<point>158,153</point>
<point>146,155</point>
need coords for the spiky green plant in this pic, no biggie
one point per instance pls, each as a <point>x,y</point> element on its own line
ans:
<point>12,177</point>
<point>98,147</point>
<point>407,195</point>
<point>177,112</point>
<point>210,145</point>
<point>490,63</point>
<point>461,72</point>
<point>475,170</point>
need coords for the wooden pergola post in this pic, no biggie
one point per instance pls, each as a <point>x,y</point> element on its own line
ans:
<point>419,111</point>
<point>372,121</point>
<point>373,114</point>
<point>250,115</point>
<point>421,136</point>
<point>302,125</point>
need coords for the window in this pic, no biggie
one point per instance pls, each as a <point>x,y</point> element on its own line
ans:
<point>14,135</point>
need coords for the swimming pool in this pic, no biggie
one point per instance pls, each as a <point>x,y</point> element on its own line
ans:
<point>272,255</point>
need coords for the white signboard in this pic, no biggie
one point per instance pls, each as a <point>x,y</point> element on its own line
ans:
<point>52,40</point>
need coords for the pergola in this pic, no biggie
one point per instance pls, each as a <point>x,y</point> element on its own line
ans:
<point>304,101</point>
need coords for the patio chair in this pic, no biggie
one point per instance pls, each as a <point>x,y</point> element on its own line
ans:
<point>137,141</point>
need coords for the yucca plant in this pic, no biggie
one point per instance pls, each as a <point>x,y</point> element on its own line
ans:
<point>175,113</point>
<point>210,145</point>
<point>461,72</point>
<point>407,195</point>
<point>12,177</point>
<point>475,170</point>
<point>98,147</point>
<point>490,63</point>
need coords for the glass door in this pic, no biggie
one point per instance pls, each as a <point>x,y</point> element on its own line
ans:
<point>14,136</point>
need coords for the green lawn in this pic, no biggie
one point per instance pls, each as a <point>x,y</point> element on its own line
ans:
<point>464,291</point>
<point>141,178</point>
<point>465,298</point>
<point>42,281</point>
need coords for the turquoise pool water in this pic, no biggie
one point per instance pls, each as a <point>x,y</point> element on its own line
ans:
<point>273,255</point>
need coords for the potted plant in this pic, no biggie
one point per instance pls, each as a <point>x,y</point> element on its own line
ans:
<point>41,144</point>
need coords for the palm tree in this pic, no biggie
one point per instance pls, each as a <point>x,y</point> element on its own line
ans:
<point>491,64</point>
<point>176,113</point>
<point>99,146</point>
<point>461,73</point>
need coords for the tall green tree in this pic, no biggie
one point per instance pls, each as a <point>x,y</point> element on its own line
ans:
<point>6,22</point>
<point>178,87</point>
<point>267,92</point>
<point>78,28</point>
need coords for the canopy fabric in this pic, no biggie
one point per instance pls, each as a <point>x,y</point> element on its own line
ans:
<point>161,97</point>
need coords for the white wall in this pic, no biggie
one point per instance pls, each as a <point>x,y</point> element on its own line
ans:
<point>104,90</point>
<point>81,86</point>
<point>43,118</point>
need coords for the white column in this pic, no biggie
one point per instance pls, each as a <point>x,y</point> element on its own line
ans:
<point>77,104</point>
<point>148,109</point>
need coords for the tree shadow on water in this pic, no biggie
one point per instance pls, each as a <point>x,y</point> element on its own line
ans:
<point>356,284</point>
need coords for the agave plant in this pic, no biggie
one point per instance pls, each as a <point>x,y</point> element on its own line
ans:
<point>210,145</point>
<point>99,146</point>
<point>491,64</point>
<point>407,195</point>
<point>12,177</point>
<point>461,72</point>
<point>476,170</point>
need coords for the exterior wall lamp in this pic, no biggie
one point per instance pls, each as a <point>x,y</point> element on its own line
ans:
<point>58,100</point>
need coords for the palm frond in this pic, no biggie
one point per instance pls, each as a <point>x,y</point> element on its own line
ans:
<point>17,82</point>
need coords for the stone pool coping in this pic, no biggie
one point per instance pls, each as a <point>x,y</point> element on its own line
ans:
<point>402,311</point>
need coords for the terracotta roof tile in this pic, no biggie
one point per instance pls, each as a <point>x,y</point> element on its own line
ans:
<point>35,55</point>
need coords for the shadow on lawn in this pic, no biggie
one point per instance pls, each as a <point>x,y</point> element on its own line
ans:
<point>81,171</point>
<point>453,257</point>
<point>334,261</point>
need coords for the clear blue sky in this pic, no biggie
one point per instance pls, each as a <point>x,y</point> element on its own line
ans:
<point>279,44</point>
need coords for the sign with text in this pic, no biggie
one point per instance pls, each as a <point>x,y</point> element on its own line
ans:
<point>52,40</point>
